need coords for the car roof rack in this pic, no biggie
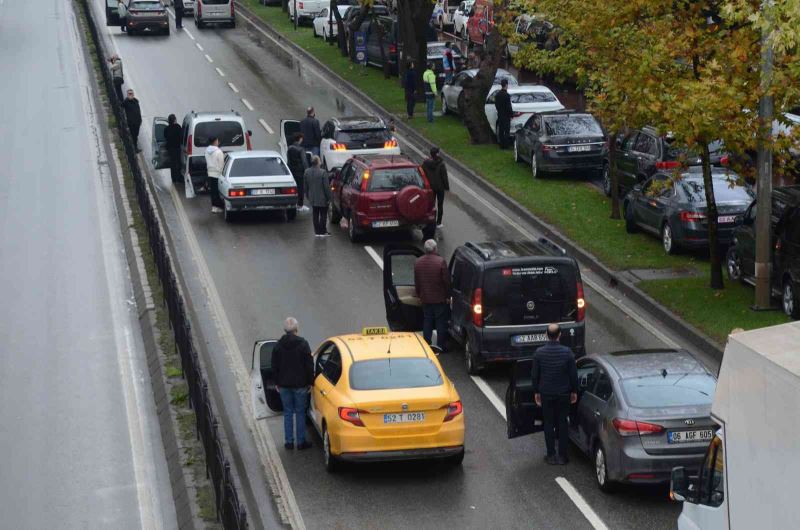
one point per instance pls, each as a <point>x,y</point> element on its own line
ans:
<point>482,252</point>
<point>552,246</point>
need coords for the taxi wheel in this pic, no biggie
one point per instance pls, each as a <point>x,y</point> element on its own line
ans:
<point>473,365</point>
<point>331,464</point>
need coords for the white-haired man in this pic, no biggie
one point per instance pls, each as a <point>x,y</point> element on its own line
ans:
<point>432,283</point>
<point>294,375</point>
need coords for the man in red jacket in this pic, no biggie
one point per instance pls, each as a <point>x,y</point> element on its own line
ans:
<point>432,283</point>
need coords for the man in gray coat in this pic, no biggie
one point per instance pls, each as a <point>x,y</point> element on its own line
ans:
<point>318,192</point>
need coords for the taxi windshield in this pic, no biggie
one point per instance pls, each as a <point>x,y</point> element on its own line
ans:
<point>402,372</point>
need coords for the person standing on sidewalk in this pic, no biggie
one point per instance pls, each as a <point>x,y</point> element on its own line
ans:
<point>410,85</point>
<point>172,135</point>
<point>502,102</point>
<point>297,162</point>
<point>429,81</point>
<point>116,75</point>
<point>432,283</point>
<point>178,14</point>
<point>318,193</point>
<point>555,388</point>
<point>215,163</point>
<point>436,172</point>
<point>133,115</point>
<point>293,367</point>
<point>312,136</point>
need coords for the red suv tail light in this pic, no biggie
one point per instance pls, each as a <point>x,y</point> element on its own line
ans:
<point>692,217</point>
<point>232,13</point>
<point>189,143</point>
<point>477,307</point>
<point>339,147</point>
<point>453,409</point>
<point>364,180</point>
<point>632,427</point>
<point>581,303</point>
<point>351,415</point>
<point>390,144</point>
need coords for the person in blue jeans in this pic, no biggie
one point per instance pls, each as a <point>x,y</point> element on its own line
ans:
<point>293,367</point>
<point>429,82</point>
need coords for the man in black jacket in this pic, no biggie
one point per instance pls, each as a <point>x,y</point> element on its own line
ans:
<point>293,367</point>
<point>172,135</point>
<point>133,115</point>
<point>436,172</point>
<point>502,102</point>
<point>178,13</point>
<point>555,387</point>
<point>298,163</point>
<point>309,127</point>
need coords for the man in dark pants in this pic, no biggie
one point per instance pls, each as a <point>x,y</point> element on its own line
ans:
<point>502,102</point>
<point>432,283</point>
<point>133,115</point>
<point>293,367</point>
<point>179,14</point>
<point>410,85</point>
<point>436,172</point>
<point>116,75</point>
<point>555,387</point>
<point>172,135</point>
<point>309,127</point>
<point>296,160</point>
<point>318,193</point>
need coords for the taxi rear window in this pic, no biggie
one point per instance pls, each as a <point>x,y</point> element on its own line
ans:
<point>385,374</point>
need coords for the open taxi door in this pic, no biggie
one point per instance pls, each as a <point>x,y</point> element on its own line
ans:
<point>403,307</point>
<point>265,396</point>
<point>159,151</point>
<point>288,129</point>
<point>522,415</point>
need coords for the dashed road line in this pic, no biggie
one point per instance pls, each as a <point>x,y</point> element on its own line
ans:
<point>266,126</point>
<point>198,46</point>
<point>581,503</point>
<point>233,87</point>
<point>188,33</point>
<point>374,255</point>
<point>247,104</point>
<point>209,59</point>
<point>490,394</point>
<point>220,72</point>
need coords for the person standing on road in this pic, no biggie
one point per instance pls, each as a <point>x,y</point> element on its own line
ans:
<point>436,172</point>
<point>178,14</point>
<point>502,102</point>
<point>215,162</point>
<point>555,388</point>
<point>122,12</point>
<point>312,136</point>
<point>410,84</point>
<point>318,193</point>
<point>172,135</point>
<point>298,163</point>
<point>448,63</point>
<point>116,75</point>
<point>293,367</point>
<point>432,283</point>
<point>429,81</point>
<point>133,115</point>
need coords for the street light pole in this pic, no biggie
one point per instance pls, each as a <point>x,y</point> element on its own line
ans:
<point>766,109</point>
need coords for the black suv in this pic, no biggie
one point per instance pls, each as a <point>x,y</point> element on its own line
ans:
<point>504,294</point>
<point>785,251</point>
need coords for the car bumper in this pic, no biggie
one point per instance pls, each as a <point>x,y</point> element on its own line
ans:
<point>336,159</point>
<point>407,454</point>
<point>280,202</point>
<point>148,24</point>
<point>358,443</point>
<point>634,465</point>
<point>694,235</point>
<point>363,222</point>
<point>571,162</point>
<point>494,343</point>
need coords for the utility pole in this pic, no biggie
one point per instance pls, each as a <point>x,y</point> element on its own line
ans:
<point>766,109</point>
<point>294,18</point>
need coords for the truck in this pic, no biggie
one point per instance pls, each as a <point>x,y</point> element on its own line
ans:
<point>748,478</point>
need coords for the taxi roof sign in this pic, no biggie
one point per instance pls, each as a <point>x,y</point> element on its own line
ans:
<point>370,331</point>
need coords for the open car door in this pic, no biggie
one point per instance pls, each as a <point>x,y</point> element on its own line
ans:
<point>522,415</point>
<point>403,307</point>
<point>288,129</point>
<point>112,15</point>
<point>262,380</point>
<point>160,155</point>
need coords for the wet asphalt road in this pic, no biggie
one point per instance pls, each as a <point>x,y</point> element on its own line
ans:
<point>265,269</point>
<point>79,439</point>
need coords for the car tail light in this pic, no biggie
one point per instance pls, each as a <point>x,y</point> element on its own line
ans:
<point>300,5</point>
<point>477,307</point>
<point>237,193</point>
<point>189,145</point>
<point>633,427</point>
<point>692,217</point>
<point>453,409</point>
<point>725,160</point>
<point>351,415</point>
<point>232,13</point>
<point>199,8</point>
<point>339,147</point>
<point>668,164</point>
<point>249,145</point>
<point>546,147</point>
<point>288,191</point>
<point>392,48</point>
<point>365,180</point>
<point>390,144</point>
<point>581,303</point>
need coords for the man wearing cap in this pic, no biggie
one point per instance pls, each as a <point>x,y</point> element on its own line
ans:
<point>502,102</point>
<point>312,136</point>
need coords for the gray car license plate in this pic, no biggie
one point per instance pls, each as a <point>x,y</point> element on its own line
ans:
<point>264,191</point>
<point>529,339</point>
<point>682,437</point>
<point>579,148</point>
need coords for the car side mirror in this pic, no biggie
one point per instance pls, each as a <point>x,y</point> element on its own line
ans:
<point>679,484</point>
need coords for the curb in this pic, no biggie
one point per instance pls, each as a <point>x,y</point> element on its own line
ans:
<point>613,279</point>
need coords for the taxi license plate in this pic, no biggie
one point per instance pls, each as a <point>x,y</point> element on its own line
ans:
<point>680,437</point>
<point>385,224</point>
<point>264,191</point>
<point>404,417</point>
<point>529,339</point>
<point>725,219</point>
<point>578,148</point>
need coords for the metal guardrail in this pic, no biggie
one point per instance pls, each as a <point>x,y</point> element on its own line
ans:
<point>230,512</point>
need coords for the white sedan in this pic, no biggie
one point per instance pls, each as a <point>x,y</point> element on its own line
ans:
<point>525,100</point>
<point>325,25</point>
<point>257,180</point>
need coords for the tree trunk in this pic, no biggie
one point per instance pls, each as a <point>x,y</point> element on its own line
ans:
<point>285,5</point>
<point>477,88</point>
<point>612,171</point>
<point>711,217</point>
<point>413,17</point>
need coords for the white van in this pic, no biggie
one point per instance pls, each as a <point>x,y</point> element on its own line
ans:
<point>214,12</point>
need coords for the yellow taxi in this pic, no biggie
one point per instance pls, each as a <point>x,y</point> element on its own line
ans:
<point>381,396</point>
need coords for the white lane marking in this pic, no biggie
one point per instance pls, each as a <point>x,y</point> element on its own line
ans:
<point>490,394</point>
<point>198,46</point>
<point>233,87</point>
<point>188,33</point>
<point>266,126</point>
<point>581,503</point>
<point>247,104</point>
<point>209,59</point>
<point>617,302</point>
<point>374,255</point>
<point>220,72</point>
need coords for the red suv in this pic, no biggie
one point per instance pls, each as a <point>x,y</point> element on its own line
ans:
<point>382,193</point>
